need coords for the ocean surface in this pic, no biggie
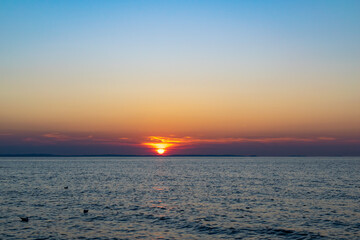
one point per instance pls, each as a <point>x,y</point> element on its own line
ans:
<point>180,198</point>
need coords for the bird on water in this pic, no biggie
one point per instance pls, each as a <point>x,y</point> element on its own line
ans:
<point>86,210</point>
<point>24,219</point>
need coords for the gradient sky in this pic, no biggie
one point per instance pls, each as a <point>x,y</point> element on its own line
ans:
<point>203,77</point>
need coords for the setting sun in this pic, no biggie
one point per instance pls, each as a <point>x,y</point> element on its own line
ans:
<point>161,144</point>
<point>160,150</point>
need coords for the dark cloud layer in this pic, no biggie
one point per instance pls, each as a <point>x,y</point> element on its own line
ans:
<point>87,144</point>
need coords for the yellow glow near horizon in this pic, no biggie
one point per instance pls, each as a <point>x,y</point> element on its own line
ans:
<point>160,151</point>
<point>160,144</point>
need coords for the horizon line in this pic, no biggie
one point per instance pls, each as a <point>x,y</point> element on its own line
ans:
<point>173,155</point>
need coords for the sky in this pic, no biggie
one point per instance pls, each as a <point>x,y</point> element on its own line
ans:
<point>189,77</point>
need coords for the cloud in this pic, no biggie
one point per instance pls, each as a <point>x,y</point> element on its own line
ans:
<point>168,142</point>
<point>326,138</point>
<point>61,137</point>
<point>56,138</point>
<point>6,134</point>
<point>191,140</point>
<point>86,143</point>
<point>173,142</point>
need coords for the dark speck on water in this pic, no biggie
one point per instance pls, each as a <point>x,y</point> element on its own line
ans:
<point>180,198</point>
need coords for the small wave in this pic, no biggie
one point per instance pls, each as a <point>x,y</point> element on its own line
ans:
<point>289,233</point>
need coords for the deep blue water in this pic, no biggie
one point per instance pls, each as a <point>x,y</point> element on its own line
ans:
<point>180,198</point>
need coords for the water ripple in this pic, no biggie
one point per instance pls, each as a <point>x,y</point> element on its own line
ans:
<point>180,198</point>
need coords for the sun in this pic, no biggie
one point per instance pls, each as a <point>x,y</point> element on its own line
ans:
<point>160,150</point>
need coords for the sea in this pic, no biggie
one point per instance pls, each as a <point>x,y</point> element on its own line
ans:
<point>180,197</point>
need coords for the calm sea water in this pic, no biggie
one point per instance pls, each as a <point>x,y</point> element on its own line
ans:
<point>180,198</point>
